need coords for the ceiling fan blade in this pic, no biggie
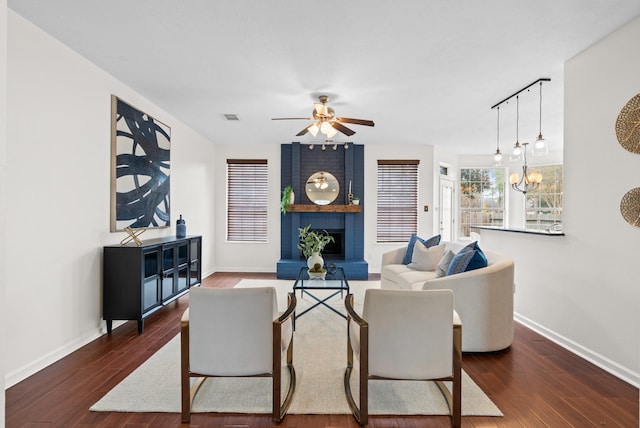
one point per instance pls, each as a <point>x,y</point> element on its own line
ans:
<point>355,121</point>
<point>292,118</point>
<point>340,127</point>
<point>304,131</point>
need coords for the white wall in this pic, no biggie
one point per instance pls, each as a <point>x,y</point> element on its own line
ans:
<point>3,189</point>
<point>582,289</point>
<point>426,196</point>
<point>245,256</point>
<point>58,184</point>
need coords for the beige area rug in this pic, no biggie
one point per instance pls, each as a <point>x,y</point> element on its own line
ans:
<point>320,361</point>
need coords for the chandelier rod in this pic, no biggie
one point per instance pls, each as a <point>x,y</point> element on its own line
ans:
<point>542,79</point>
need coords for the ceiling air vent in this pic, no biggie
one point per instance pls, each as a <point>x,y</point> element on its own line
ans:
<point>231,116</point>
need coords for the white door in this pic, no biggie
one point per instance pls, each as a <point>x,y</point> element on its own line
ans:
<point>446,209</point>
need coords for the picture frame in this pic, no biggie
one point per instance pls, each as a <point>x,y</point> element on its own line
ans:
<point>140,169</point>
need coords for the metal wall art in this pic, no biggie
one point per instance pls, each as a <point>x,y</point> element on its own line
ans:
<point>628,125</point>
<point>140,167</point>
<point>630,207</point>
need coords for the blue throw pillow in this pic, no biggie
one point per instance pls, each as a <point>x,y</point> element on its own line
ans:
<point>431,242</point>
<point>467,259</point>
<point>470,247</point>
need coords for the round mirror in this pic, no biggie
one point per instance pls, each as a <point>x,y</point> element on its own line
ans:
<point>322,188</point>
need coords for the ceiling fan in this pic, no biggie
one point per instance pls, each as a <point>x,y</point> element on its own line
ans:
<point>326,120</point>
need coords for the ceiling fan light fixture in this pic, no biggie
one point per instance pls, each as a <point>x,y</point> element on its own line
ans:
<point>321,109</point>
<point>325,128</point>
<point>313,129</point>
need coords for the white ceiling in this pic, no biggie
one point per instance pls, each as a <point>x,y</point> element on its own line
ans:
<point>427,72</point>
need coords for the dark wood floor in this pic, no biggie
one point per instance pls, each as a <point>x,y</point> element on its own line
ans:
<point>535,383</point>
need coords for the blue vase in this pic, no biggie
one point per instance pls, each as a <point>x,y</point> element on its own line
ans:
<point>181,228</point>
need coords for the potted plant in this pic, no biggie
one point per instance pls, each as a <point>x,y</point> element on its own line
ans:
<point>355,200</point>
<point>312,243</point>
<point>288,198</point>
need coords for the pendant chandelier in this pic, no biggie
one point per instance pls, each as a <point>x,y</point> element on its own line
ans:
<point>529,180</point>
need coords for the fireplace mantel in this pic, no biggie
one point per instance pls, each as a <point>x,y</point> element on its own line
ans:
<point>311,208</point>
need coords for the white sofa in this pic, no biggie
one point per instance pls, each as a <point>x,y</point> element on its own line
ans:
<point>482,297</point>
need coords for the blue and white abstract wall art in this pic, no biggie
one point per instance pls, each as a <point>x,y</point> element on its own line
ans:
<point>140,169</point>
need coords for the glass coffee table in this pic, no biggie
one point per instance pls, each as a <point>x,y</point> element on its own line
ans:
<point>336,281</point>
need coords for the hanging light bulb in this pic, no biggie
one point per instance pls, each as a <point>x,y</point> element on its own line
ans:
<point>540,146</point>
<point>325,128</point>
<point>497,158</point>
<point>313,129</point>
<point>516,154</point>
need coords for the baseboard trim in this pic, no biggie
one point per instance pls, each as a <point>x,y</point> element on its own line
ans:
<point>623,373</point>
<point>32,368</point>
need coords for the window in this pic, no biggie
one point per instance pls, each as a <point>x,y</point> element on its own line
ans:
<point>543,210</point>
<point>481,198</point>
<point>247,193</point>
<point>397,216</point>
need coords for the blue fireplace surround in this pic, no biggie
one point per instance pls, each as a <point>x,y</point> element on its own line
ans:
<point>298,163</point>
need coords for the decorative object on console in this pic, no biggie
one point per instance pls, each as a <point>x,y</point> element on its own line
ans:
<point>628,125</point>
<point>133,236</point>
<point>529,180</point>
<point>140,147</point>
<point>181,228</point>
<point>326,120</point>
<point>355,200</point>
<point>312,243</point>
<point>288,198</point>
<point>630,207</point>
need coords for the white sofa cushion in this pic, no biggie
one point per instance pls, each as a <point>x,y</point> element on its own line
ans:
<point>426,258</point>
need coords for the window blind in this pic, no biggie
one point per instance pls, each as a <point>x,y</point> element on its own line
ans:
<point>247,195</point>
<point>397,216</point>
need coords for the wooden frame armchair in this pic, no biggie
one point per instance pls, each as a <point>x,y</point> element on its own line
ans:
<point>405,335</point>
<point>236,332</point>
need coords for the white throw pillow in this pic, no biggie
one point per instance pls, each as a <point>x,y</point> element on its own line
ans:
<point>424,258</point>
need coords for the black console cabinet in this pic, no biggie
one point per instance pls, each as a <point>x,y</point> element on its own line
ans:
<point>138,281</point>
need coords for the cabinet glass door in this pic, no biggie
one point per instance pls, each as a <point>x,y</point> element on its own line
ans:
<point>183,281</point>
<point>150,296</point>
<point>168,271</point>
<point>150,287</point>
<point>194,263</point>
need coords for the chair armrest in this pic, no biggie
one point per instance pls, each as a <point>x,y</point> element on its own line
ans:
<point>457,322</point>
<point>291,307</point>
<point>184,321</point>
<point>351,312</point>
